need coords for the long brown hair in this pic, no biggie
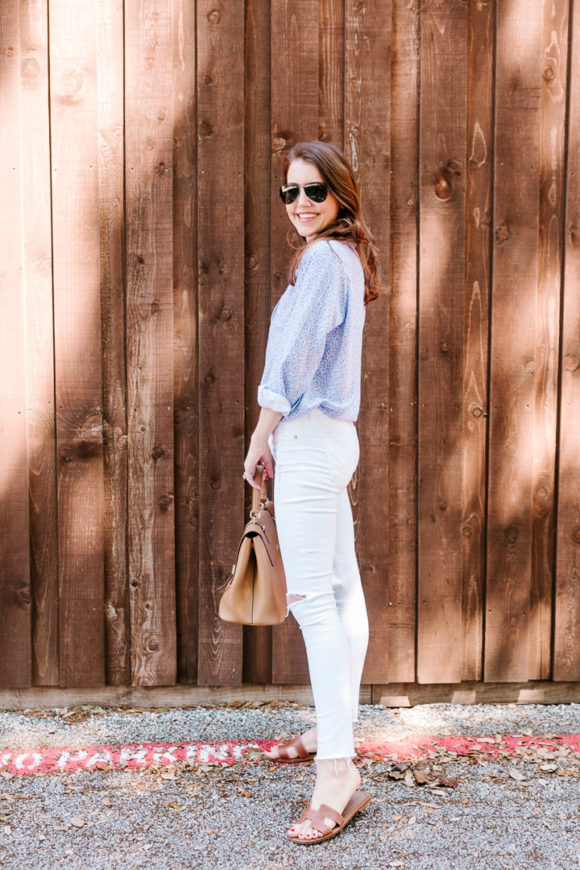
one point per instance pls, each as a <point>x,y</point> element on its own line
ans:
<point>349,225</point>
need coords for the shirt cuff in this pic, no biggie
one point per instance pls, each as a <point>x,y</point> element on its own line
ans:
<point>275,401</point>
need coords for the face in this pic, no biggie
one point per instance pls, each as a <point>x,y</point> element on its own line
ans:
<point>308,217</point>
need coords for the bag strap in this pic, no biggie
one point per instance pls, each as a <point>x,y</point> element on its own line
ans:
<point>259,496</point>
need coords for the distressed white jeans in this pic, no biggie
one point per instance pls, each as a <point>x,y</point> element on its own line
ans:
<point>315,460</point>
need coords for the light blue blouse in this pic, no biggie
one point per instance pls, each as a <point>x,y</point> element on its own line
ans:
<point>313,356</point>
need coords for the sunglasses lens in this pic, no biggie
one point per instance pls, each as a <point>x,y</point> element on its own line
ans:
<point>289,192</point>
<point>316,191</point>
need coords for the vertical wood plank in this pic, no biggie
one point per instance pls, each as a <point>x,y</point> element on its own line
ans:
<point>479,218</point>
<point>442,275</point>
<point>567,588</point>
<point>75,222</point>
<point>257,223</point>
<point>111,236</point>
<point>513,344</point>
<point>149,244</point>
<point>550,256</point>
<point>295,67</point>
<point>367,136</point>
<point>331,29</point>
<point>399,637</point>
<point>186,374</point>
<point>220,78</point>
<point>14,527</point>
<point>37,262</point>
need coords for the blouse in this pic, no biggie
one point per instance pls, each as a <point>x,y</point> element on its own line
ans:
<point>313,355</point>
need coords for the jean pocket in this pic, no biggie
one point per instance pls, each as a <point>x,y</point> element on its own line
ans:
<point>342,449</point>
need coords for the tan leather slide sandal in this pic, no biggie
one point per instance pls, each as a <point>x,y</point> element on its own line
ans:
<point>359,800</point>
<point>295,743</point>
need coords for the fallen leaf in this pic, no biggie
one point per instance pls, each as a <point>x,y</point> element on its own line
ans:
<point>397,817</point>
<point>244,792</point>
<point>447,782</point>
<point>77,822</point>
<point>421,777</point>
<point>548,768</point>
<point>515,774</point>
<point>409,779</point>
<point>7,830</point>
<point>177,807</point>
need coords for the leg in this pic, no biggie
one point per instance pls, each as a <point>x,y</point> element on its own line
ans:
<point>349,597</point>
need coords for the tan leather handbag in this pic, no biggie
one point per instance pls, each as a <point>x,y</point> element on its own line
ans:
<point>256,591</point>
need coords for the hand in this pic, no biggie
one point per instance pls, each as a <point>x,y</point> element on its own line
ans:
<point>258,453</point>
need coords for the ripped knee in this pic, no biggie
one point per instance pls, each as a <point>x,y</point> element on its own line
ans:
<point>292,598</point>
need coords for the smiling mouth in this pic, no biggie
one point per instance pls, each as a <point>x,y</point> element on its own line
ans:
<point>306,216</point>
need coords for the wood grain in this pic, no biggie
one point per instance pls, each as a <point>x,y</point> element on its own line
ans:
<point>37,266</point>
<point>399,635</point>
<point>185,350</point>
<point>257,262</point>
<point>331,74</point>
<point>513,343</point>
<point>295,69</point>
<point>110,58</point>
<point>550,257</point>
<point>566,664</point>
<point>441,274</point>
<point>149,241</point>
<point>77,341</point>
<point>220,82</point>
<point>479,220</point>
<point>367,138</point>
<point>14,528</point>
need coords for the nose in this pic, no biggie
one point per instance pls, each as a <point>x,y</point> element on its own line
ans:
<point>302,198</point>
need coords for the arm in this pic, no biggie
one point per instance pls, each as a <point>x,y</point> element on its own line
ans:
<point>259,450</point>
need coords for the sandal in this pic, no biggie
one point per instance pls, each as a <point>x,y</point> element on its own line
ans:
<point>295,743</point>
<point>359,800</point>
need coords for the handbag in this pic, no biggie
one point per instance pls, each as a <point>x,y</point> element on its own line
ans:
<point>256,592</point>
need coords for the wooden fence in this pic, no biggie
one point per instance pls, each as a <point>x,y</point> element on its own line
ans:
<point>143,248</point>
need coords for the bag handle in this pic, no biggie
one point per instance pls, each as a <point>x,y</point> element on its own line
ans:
<point>259,496</point>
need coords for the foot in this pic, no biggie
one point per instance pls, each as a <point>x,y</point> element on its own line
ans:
<point>336,782</point>
<point>309,740</point>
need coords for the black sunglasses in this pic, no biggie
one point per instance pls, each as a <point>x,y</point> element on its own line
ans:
<point>317,191</point>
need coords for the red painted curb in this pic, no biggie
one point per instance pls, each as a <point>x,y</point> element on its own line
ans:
<point>140,756</point>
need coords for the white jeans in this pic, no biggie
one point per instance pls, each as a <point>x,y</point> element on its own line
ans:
<point>315,460</point>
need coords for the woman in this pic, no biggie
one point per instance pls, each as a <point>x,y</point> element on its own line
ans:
<point>310,397</point>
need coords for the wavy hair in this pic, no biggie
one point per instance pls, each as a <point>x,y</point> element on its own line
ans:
<point>349,225</point>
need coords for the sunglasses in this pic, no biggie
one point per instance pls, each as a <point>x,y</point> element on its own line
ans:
<point>317,191</point>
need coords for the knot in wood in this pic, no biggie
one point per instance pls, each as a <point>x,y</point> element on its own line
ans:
<point>66,454</point>
<point>226,313</point>
<point>443,189</point>
<point>71,86</point>
<point>549,71</point>
<point>467,531</point>
<point>530,366</point>
<point>442,505</point>
<point>215,483</point>
<point>9,51</point>
<point>511,535</point>
<point>152,646</point>
<point>157,453</point>
<point>205,128</point>
<point>576,534</point>
<point>477,411</point>
<point>165,502</point>
<point>141,259</point>
<point>278,144</point>
<point>209,378</point>
<point>207,79</point>
<point>149,143</point>
<point>252,263</point>
<point>155,308</point>
<point>160,169</point>
<point>214,17</point>
<point>443,347</point>
<point>29,70</point>
<point>502,234</point>
<point>571,363</point>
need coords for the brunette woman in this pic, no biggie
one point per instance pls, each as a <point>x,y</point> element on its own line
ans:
<point>310,398</point>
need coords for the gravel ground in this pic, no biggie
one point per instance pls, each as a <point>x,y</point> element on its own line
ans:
<point>494,814</point>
